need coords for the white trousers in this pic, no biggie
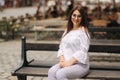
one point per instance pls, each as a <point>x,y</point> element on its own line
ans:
<point>71,72</point>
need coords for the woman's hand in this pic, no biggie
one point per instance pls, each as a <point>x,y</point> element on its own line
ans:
<point>69,63</point>
<point>65,64</point>
<point>62,60</point>
<point>61,64</point>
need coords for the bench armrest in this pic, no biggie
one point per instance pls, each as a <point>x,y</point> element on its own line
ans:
<point>22,64</point>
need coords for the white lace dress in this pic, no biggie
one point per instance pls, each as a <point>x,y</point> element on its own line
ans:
<point>75,44</point>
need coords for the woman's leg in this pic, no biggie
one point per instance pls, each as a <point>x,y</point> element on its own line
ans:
<point>52,72</point>
<point>72,72</point>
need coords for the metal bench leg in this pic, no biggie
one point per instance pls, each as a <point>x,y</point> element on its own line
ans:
<point>20,77</point>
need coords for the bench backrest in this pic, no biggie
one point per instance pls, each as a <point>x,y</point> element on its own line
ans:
<point>104,47</point>
<point>96,47</point>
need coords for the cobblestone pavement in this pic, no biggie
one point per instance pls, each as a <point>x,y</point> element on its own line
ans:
<point>10,58</point>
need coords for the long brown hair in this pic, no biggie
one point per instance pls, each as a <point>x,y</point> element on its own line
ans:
<point>84,21</point>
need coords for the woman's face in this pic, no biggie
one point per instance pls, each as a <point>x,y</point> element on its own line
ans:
<point>76,18</point>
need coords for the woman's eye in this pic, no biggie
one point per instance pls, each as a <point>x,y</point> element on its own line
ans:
<point>74,15</point>
<point>78,16</point>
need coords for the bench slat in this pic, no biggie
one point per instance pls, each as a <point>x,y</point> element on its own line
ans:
<point>93,65</point>
<point>105,48</point>
<point>96,47</point>
<point>42,63</point>
<point>42,46</point>
<point>33,71</point>
<point>105,74</point>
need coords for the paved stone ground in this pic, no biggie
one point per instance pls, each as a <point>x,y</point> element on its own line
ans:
<point>10,58</point>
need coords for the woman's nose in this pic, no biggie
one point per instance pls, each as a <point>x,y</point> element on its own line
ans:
<point>76,17</point>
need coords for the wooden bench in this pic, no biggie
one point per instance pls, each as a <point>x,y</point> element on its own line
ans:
<point>98,70</point>
<point>104,29</point>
